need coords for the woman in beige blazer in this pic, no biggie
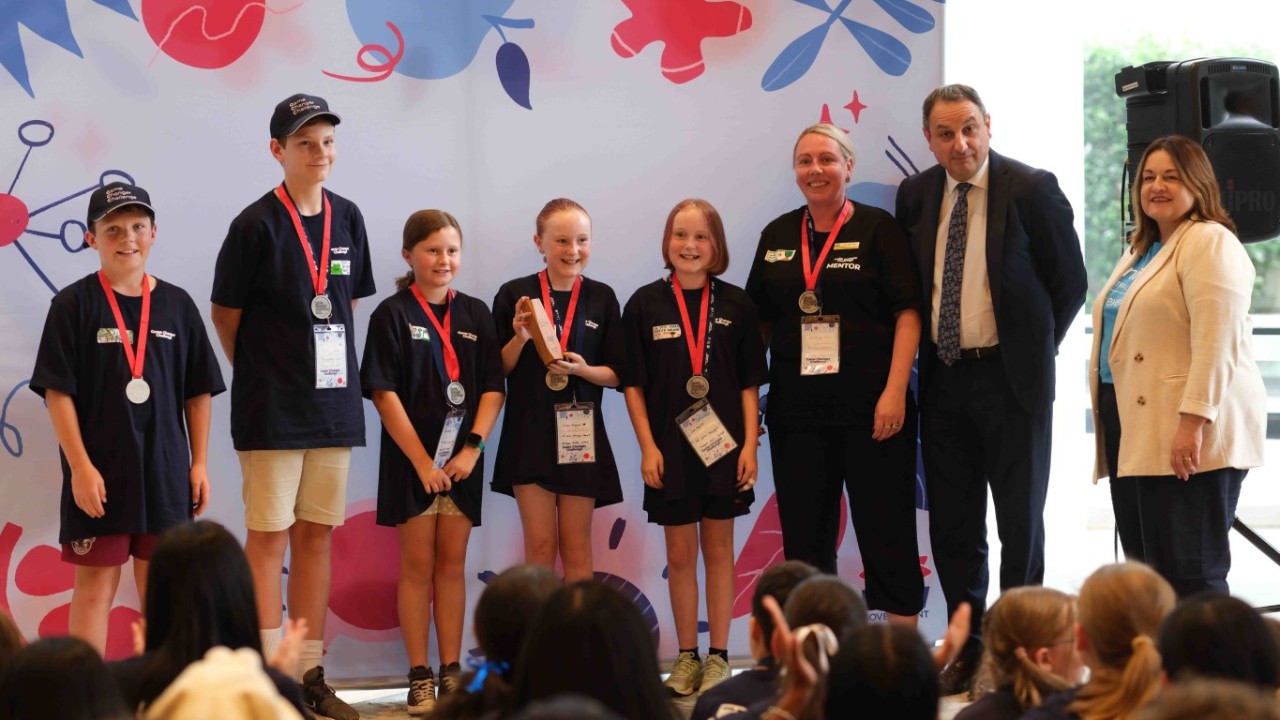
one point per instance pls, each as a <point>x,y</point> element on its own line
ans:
<point>1172,364</point>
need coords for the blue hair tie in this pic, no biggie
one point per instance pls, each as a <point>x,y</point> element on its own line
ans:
<point>482,671</point>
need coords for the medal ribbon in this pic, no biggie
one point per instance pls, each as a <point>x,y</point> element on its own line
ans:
<point>451,368</point>
<point>564,328</point>
<point>319,272</point>
<point>135,360</point>
<point>697,348</point>
<point>811,272</point>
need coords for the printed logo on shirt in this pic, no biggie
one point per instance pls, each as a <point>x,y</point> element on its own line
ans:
<point>470,336</point>
<point>666,332</point>
<point>778,255</point>
<point>592,324</point>
<point>82,547</point>
<point>417,332</point>
<point>163,334</point>
<point>111,335</point>
<point>339,250</point>
<point>724,321</point>
<point>845,263</point>
<point>340,267</point>
<point>846,246</point>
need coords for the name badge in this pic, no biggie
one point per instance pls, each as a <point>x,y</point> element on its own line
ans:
<point>705,433</point>
<point>820,345</point>
<point>448,437</point>
<point>331,356</point>
<point>666,332</point>
<point>339,267</point>
<point>575,433</point>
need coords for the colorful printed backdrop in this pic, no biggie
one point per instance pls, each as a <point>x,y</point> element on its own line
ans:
<point>486,108</point>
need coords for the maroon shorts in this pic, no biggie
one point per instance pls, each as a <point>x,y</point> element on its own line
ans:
<point>109,550</point>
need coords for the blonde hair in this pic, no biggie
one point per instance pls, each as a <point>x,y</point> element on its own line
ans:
<point>1021,622</point>
<point>1121,607</point>
<point>714,224</point>
<point>840,137</point>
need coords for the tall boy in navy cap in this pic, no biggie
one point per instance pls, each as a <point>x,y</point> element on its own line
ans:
<point>284,293</point>
<point>127,371</point>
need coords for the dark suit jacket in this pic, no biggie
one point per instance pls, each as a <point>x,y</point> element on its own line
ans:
<point>1034,266</point>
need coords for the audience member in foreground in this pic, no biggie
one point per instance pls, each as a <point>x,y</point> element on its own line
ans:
<point>59,678</point>
<point>10,640</point>
<point>1210,700</point>
<point>1218,636</point>
<point>224,685</point>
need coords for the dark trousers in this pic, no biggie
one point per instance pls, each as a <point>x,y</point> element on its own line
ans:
<point>1177,527</point>
<point>810,468</point>
<point>974,434</point>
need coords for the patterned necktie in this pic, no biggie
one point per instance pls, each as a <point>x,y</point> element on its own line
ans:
<point>952,278</point>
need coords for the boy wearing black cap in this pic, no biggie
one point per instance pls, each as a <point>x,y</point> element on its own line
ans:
<point>127,371</point>
<point>284,293</point>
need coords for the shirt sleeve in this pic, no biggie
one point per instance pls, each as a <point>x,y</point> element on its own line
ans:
<point>203,374</point>
<point>753,370</point>
<point>504,313</point>
<point>238,263</point>
<point>58,355</point>
<point>755,281</point>
<point>380,368</point>
<point>898,285</point>
<point>636,372</point>
<point>613,351</point>
<point>493,379</point>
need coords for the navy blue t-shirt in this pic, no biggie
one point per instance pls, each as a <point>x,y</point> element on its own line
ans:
<point>141,451</point>
<point>263,271</point>
<point>398,356</point>
<point>738,693</point>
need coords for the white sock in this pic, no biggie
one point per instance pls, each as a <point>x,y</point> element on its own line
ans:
<point>312,651</point>
<point>270,643</point>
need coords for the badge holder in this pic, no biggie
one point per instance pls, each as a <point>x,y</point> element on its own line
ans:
<point>331,356</point>
<point>575,433</point>
<point>706,434</point>
<point>448,437</point>
<point>820,345</point>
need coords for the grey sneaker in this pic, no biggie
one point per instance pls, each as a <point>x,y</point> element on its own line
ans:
<point>321,700</point>
<point>422,691</point>
<point>686,675</point>
<point>449,678</point>
<point>715,671</point>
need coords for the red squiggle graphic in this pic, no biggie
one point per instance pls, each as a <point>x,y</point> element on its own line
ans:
<point>381,71</point>
<point>195,45</point>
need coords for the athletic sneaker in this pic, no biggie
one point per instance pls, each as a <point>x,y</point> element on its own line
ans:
<point>449,678</point>
<point>322,700</point>
<point>714,671</point>
<point>422,691</point>
<point>686,675</point>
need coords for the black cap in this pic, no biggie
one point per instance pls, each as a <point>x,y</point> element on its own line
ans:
<point>113,196</point>
<point>296,110</point>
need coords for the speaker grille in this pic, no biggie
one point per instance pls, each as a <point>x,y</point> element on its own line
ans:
<point>1248,169</point>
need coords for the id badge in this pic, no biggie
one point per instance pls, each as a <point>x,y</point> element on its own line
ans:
<point>448,437</point>
<point>331,356</point>
<point>705,433</point>
<point>820,345</point>
<point>575,433</point>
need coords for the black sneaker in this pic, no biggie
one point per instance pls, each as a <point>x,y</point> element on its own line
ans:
<point>422,691</point>
<point>322,700</point>
<point>449,678</point>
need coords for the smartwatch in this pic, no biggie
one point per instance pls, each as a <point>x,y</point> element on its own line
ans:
<point>474,440</point>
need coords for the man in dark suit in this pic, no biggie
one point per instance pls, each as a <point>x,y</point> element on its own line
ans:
<point>1002,277</point>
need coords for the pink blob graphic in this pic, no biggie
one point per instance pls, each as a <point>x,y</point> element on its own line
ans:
<point>826,118</point>
<point>208,37</point>
<point>8,541</point>
<point>681,26</point>
<point>120,632</point>
<point>13,219</point>
<point>366,567</point>
<point>41,572</point>
<point>382,70</point>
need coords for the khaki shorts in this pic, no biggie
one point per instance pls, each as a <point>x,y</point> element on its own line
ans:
<point>281,486</point>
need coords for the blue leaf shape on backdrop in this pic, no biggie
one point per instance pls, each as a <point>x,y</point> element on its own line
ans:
<point>120,6</point>
<point>513,71</point>
<point>615,533</point>
<point>908,14</point>
<point>795,59</point>
<point>885,50</point>
<point>816,4</point>
<point>520,23</point>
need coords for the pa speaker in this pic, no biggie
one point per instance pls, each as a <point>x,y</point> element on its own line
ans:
<point>1231,106</point>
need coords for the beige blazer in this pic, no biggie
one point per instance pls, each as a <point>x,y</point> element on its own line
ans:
<point>1183,343</point>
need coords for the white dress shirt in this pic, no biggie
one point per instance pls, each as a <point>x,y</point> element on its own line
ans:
<point>977,314</point>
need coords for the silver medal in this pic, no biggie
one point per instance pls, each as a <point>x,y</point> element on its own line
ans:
<point>697,387</point>
<point>321,307</point>
<point>456,393</point>
<point>138,391</point>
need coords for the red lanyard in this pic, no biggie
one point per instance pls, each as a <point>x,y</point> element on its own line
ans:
<point>451,366</point>
<point>811,273</point>
<point>568,315</point>
<point>319,272</point>
<point>135,360</point>
<point>696,347</point>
